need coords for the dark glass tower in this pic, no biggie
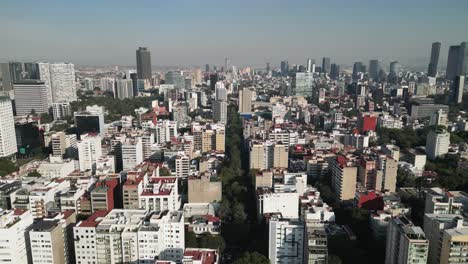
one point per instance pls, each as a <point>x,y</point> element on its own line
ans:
<point>435,51</point>
<point>326,67</point>
<point>143,58</point>
<point>452,62</point>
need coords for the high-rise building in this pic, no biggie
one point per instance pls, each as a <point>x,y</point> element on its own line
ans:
<point>284,67</point>
<point>303,84</point>
<point>220,111</point>
<point>14,225</point>
<point>310,65</point>
<point>286,241</point>
<point>394,70</point>
<point>89,151</point>
<point>245,100</point>
<point>357,68</point>
<point>280,156</point>
<point>267,68</point>
<point>344,178</point>
<point>124,89</point>
<point>406,243</point>
<point>457,89</point>
<point>334,71</point>
<point>63,86</point>
<point>437,144</point>
<point>462,65</point>
<point>182,166</point>
<point>213,81</point>
<point>227,64</point>
<point>452,62</point>
<point>47,242</point>
<point>31,71</point>
<point>326,65</point>
<point>374,69</point>
<point>132,153</point>
<point>143,60</point>
<point>7,84</point>
<point>175,78</point>
<point>91,120</point>
<point>7,128</point>
<point>220,92</point>
<point>439,118</point>
<point>44,75</point>
<point>432,68</point>
<point>30,95</point>
<point>61,110</point>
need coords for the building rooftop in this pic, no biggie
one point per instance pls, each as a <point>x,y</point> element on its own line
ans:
<point>44,225</point>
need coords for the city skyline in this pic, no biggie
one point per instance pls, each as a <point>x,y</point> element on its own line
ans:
<point>182,33</point>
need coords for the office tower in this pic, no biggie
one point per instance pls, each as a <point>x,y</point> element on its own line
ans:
<point>197,77</point>
<point>335,71</point>
<point>89,84</point>
<point>44,75</point>
<point>14,226</point>
<point>457,89</point>
<point>220,92</point>
<point>175,78</point>
<point>61,110</point>
<point>220,111</point>
<point>437,144</point>
<point>213,81</point>
<point>27,136</point>
<point>344,178</point>
<point>406,243</point>
<point>227,64</point>
<point>432,68</point>
<point>31,71</point>
<point>7,84</point>
<point>89,151</point>
<point>284,67</point>
<point>310,65</point>
<point>143,60</point>
<point>267,68</point>
<point>123,89</point>
<point>62,77</point>
<point>286,241</point>
<point>132,153</point>
<point>462,65</point>
<point>303,84</point>
<point>107,84</point>
<point>245,100</point>
<point>374,69</point>
<point>207,68</point>
<point>91,120</point>
<point>394,68</point>
<point>452,62</point>
<point>326,65</point>
<point>30,96</point>
<point>357,68</point>
<point>7,128</point>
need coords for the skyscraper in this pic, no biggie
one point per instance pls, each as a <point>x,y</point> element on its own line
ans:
<point>452,62</point>
<point>326,65</point>
<point>457,89</point>
<point>123,89</point>
<point>267,69</point>
<point>374,69</point>
<point>334,71</point>
<point>310,65</point>
<point>62,79</point>
<point>394,71</point>
<point>462,65</point>
<point>284,67</point>
<point>220,111</point>
<point>143,58</point>
<point>7,128</point>
<point>6,77</point>
<point>31,71</point>
<point>435,51</point>
<point>303,84</point>
<point>227,64</point>
<point>357,68</point>
<point>437,144</point>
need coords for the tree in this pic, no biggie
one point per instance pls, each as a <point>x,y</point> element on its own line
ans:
<point>7,167</point>
<point>190,240</point>
<point>252,258</point>
<point>34,174</point>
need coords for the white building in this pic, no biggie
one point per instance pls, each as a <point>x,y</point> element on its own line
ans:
<point>284,203</point>
<point>158,194</point>
<point>130,236</point>
<point>220,92</point>
<point>165,130</point>
<point>61,110</point>
<point>107,84</point>
<point>30,95</point>
<point>56,168</point>
<point>89,151</point>
<point>123,89</point>
<point>286,241</point>
<point>437,144</point>
<point>7,129</point>
<point>132,152</point>
<point>13,226</point>
<point>42,196</point>
<point>62,79</point>
<point>406,243</point>
<point>182,166</point>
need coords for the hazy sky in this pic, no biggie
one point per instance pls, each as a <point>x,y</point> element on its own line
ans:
<point>195,32</point>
